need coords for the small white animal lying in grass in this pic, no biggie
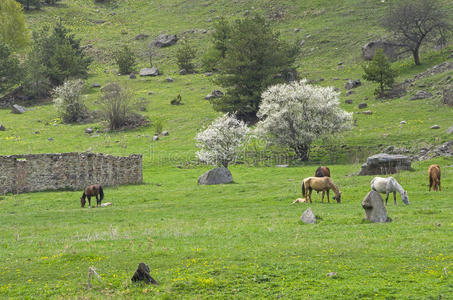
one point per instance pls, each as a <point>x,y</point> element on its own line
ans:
<point>300,200</point>
<point>106,204</point>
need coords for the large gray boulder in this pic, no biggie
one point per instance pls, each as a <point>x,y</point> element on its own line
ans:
<point>390,50</point>
<point>374,207</point>
<point>308,217</point>
<point>216,176</point>
<point>17,109</point>
<point>149,71</point>
<point>383,163</point>
<point>165,40</point>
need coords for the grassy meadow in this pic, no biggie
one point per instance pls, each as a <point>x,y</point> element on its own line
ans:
<point>241,240</point>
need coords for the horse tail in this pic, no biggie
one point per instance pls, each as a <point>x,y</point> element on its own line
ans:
<point>303,189</point>
<point>101,192</point>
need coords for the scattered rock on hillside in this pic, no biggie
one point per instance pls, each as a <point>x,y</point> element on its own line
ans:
<point>349,101</point>
<point>421,95</point>
<point>165,133</point>
<point>132,76</point>
<point>435,127</point>
<point>331,274</point>
<point>367,112</point>
<point>450,130</point>
<point>142,274</point>
<point>214,94</point>
<point>169,79</point>
<point>208,74</point>
<point>141,36</point>
<point>149,72</point>
<point>182,72</point>
<point>155,138</point>
<point>165,40</point>
<point>383,163</point>
<point>374,207</point>
<point>17,109</point>
<point>95,85</point>
<point>390,50</point>
<point>2,128</point>
<point>308,217</point>
<point>447,97</point>
<point>362,105</point>
<point>349,93</point>
<point>403,122</point>
<point>89,130</point>
<point>352,84</point>
<point>50,139</point>
<point>216,176</point>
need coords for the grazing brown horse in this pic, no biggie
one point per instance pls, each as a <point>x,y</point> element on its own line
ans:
<point>322,172</point>
<point>324,184</point>
<point>92,190</point>
<point>434,178</point>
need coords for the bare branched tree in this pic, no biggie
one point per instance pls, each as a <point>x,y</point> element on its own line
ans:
<point>414,22</point>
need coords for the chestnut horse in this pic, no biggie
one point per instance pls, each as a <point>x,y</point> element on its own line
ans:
<point>434,178</point>
<point>322,172</point>
<point>92,190</point>
<point>324,184</point>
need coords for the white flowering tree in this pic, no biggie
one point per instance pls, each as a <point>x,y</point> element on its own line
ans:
<point>69,102</point>
<point>296,114</point>
<point>221,141</point>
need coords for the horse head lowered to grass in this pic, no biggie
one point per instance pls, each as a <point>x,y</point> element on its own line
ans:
<point>389,185</point>
<point>92,190</point>
<point>324,184</point>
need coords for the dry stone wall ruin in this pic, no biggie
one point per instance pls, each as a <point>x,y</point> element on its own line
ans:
<point>73,171</point>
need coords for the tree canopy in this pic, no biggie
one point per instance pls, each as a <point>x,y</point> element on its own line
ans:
<point>255,58</point>
<point>13,31</point>
<point>414,22</point>
<point>380,70</point>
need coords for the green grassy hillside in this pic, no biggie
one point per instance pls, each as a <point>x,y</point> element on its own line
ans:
<point>241,240</point>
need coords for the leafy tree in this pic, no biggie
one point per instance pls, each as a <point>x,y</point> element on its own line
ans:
<point>28,3</point>
<point>221,141</point>
<point>69,101</point>
<point>56,56</point>
<point>414,22</point>
<point>35,83</point>
<point>255,59</point>
<point>296,114</point>
<point>185,56</point>
<point>221,35</point>
<point>9,68</point>
<point>380,71</point>
<point>125,59</point>
<point>13,29</point>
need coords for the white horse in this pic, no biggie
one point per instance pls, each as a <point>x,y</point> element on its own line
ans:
<point>387,186</point>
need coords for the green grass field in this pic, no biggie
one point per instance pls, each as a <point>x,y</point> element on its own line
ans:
<point>241,240</point>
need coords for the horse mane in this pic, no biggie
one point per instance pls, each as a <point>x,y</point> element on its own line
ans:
<point>333,185</point>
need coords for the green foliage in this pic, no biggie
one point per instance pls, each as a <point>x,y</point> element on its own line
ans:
<point>9,68</point>
<point>210,60</point>
<point>184,57</point>
<point>56,56</point>
<point>255,59</point>
<point>380,70</point>
<point>35,83</point>
<point>69,101</point>
<point>13,29</point>
<point>125,59</point>
<point>28,3</point>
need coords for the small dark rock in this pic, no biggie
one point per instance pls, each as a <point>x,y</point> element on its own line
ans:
<point>362,105</point>
<point>367,112</point>
<point>150,93</point>
<point>352,84</point>
<point>132,76</point>
<point>165,133</point>
<point>183,72</point>
<point>89,130</point>
<point>165,40</point>
<point>450,130</point>
<point>421,95</point>
<point>50,139</point>
<point>141,36</point>
<point>155,138</point>
<point>349,101</point>
<point>208,73</point>
<point>435,127</point>
<point>349,93</point>
<point>170,79</point>
<point>95,85</point>
<point>142,274</point>
<point>2,128</point>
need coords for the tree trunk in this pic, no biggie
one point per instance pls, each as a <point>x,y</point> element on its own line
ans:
<point>416,55</point>
<point>302,152</point>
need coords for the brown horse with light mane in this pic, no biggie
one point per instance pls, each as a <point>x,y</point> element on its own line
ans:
<point>324,184</point>
<point>434,178</point>
<point>92,190</point>
<point>322,171</point>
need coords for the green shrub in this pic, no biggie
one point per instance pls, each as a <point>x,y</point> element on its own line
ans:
<point>9,68</point>
<point>185,56</point>
<point>125,59</point>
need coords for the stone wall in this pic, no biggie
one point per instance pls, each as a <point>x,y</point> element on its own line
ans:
<point>74,171</point>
